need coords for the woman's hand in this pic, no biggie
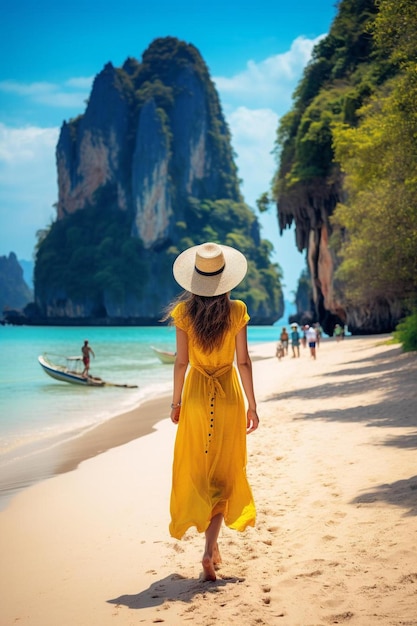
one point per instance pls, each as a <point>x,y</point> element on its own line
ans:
<point>175,414</point>
<point>252,421</point>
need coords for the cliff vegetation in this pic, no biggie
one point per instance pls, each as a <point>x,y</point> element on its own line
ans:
<point>347,172</point>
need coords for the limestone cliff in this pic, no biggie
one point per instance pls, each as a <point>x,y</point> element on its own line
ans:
<point>310,211</point>
<point>144,172</point>
<point>14,292</point>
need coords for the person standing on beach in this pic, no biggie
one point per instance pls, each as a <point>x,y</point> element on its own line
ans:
<point>86,350</point>
<point>311,339</point>
<point>319,332</point>
<point>338,332</point>
<point>209,482</point>
<point>284,340</point>
<point>295,341</point>
<point>303,336</point>
<point>279,351</point>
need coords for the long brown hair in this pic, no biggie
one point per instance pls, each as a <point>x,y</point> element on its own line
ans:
<point>210,318</point>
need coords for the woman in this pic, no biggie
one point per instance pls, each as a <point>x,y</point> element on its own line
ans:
<point>209,481</point>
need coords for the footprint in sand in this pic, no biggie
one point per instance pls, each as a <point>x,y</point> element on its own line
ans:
<point>267,598</point>
<point>178,548</point>
<point>340,618</point>
<point>272,529</point>
<point>408,578</point>
<point>316,572</point>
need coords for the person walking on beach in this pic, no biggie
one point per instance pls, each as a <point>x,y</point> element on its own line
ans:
<point>295,341</point>
<point>338,332</point>
<point>209,482</point>
<point>284,339</point>
<point>319,332</point>
<point>279,351</point>
<point>304,336</point>
<point>86,350</point>
<point>311,339</point>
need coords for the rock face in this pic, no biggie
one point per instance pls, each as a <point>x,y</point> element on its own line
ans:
<point>151,152</point>
<point>91,151</point>
<point>310,210</point>
<point>14,292</point>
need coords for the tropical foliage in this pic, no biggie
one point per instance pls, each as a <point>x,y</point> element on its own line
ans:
<point>347,152</point>
<point>406,333</point>
<point>379,159</point>
<point>89,255</point>
<point>234,224</point>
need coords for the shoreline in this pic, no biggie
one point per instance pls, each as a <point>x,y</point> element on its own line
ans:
<point>65,453</point>
<point>42,459</point>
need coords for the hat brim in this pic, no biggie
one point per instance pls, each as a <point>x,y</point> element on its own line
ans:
<point>189,279</point>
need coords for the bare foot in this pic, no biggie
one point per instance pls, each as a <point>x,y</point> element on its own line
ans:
<point>208,569</point>
<point>217,559</point>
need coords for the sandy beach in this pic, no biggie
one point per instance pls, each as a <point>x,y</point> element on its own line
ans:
<point>333,471</point>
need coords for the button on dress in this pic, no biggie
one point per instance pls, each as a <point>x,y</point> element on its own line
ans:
<point>209,467</point>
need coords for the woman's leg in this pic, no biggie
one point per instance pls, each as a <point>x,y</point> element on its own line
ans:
<point>211,553</point>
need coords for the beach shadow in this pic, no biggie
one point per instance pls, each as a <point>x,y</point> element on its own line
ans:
<point>402,493</point>
<point>378,368</point>
<point>172,588</point>
<point>342,388</point>
<point>395,381</point>
<point>387,355</point>
<point>408,441</point>
<point>384,414</point>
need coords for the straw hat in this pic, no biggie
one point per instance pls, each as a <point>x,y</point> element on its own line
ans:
<point>210,269</point>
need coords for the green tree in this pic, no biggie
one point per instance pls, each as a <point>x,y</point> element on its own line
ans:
<point>379,219</point>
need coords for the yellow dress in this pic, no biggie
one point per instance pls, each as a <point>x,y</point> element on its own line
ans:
<point>209,467</point>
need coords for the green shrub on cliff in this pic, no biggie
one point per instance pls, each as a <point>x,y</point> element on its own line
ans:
<point>234,224</point>
<point>88,255</point>
<point>406,333</point>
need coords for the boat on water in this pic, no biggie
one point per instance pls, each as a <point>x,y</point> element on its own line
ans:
<point>165,356</point>
<point>68,369</point>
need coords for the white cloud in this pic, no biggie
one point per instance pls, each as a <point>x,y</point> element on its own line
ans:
<point>63,100</point>
<point>72,93</point>
<point>82,82</point>
<point>26,89</point>
<point>253,134</point>
<point>271,82</point>
<point>253,101</point>
<point>18,145</point>
<point>27,186</point>
<point>253,137</point>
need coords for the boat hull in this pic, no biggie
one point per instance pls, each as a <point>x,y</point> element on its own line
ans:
<point>164,356</point>
<point>66,376</point>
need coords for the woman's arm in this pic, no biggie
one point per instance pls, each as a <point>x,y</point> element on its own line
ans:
<point>180,368</point>
<point>244,365</point>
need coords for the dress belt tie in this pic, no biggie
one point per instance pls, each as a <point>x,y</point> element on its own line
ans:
<point>214,383</point>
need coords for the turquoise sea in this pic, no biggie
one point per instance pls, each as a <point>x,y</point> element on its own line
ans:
<point>34,408</point>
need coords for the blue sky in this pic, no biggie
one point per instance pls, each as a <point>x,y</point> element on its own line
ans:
<point>50,52</point>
